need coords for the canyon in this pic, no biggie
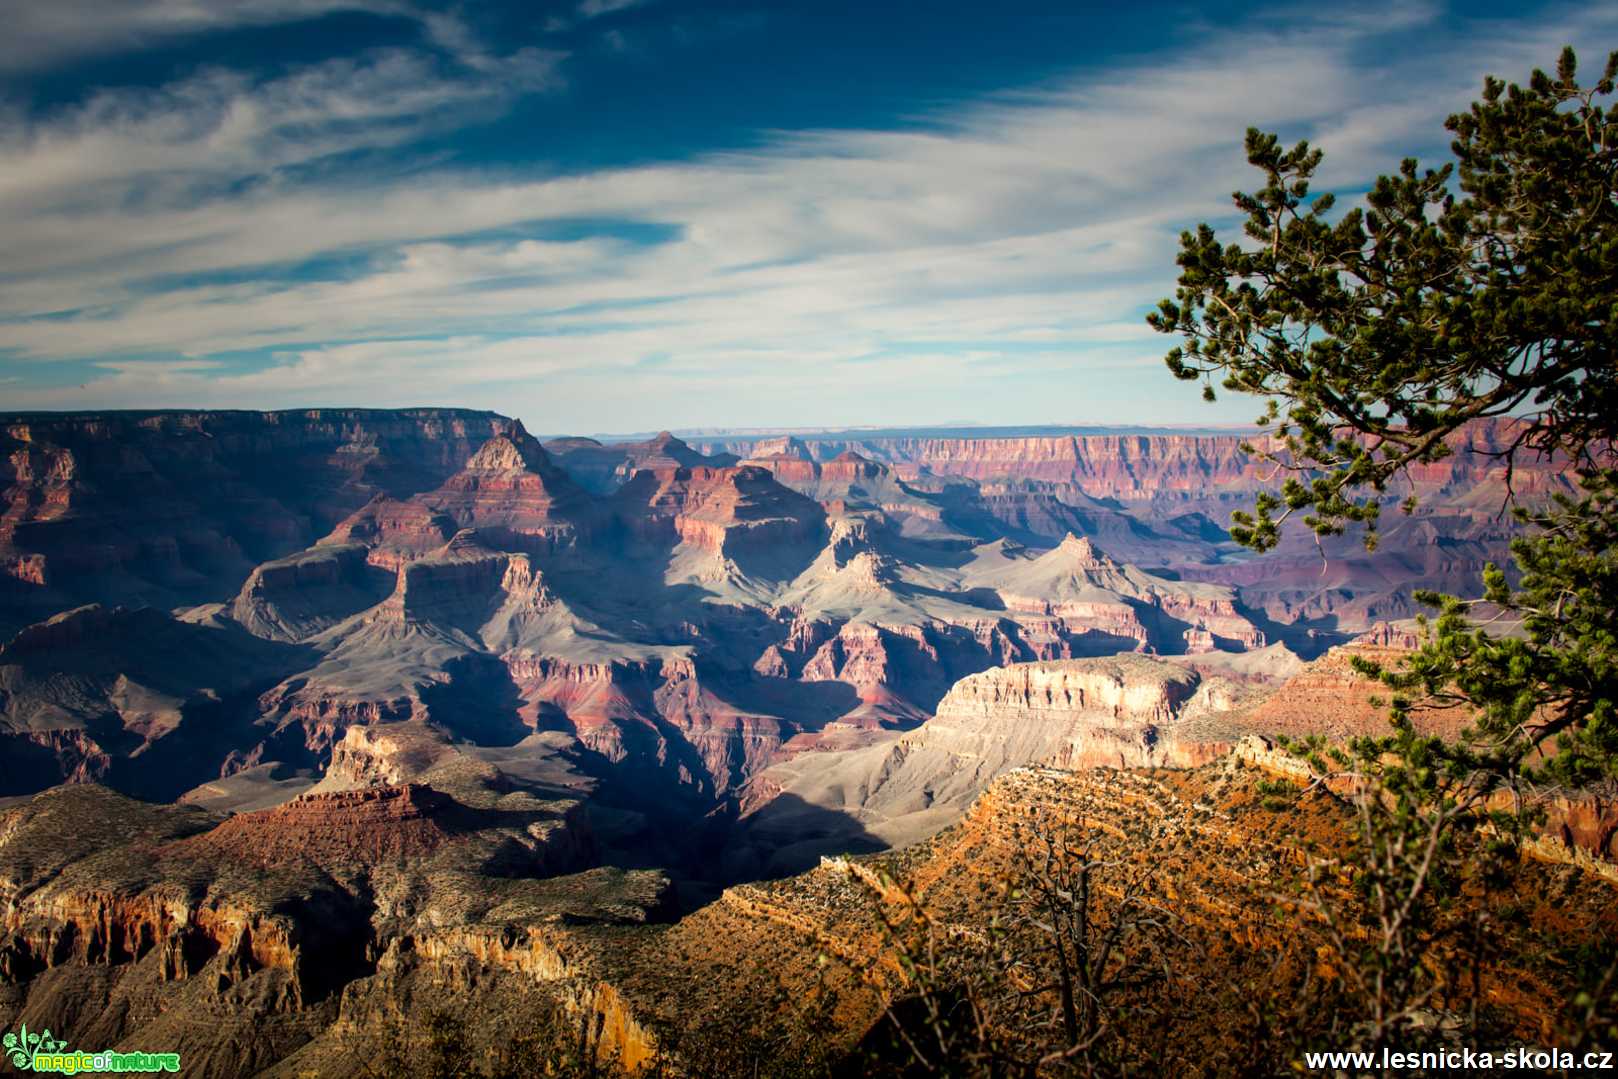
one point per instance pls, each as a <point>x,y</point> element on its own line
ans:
<point>218,599</point>
<point>308,719</point>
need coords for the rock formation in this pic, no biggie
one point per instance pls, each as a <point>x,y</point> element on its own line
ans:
<point>132,697</point>
<point>1329,697</point>
<point>177,507</point>
<point>508,491</point>
<point>1156,466</point>
<point>602,469</point>
<point>1122,712</point>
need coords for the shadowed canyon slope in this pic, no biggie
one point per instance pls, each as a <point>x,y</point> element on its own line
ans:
<point>222,593</point>
<point>167,508</point>
<point>449,896</point>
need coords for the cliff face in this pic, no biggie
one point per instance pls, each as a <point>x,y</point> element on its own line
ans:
<point>408,717</point>
<point>1164,499</point>
<point>294,598</point>
<point>177,507</point>
<point>1128,690</point>
<point>703,622</point>
<point>132,697</point>
<point>120,917</point>
<point>602,469</point>
<point>678,730</point>
<point>1120,712</point>
<point>1329,697</point>
<point>739,620</point>
<point>304,956</point>
<point>1124,712</point>
<point>730,511</point>
<point>1162,467</point>
<point>1168,466</point>
<point>1204,843</point>
<point>508,491</point>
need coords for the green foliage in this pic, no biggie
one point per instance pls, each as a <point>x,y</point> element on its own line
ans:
<point>1275,794</point>
<point>1377,335</point>
<point>1423,837</point>
<point>1485,288</point>
<point>1552,683</point>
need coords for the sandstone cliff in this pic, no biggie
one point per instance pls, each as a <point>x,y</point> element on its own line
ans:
<point>1158,466</point>
<point>177,507</point>
<point>125,921</point>
<point>509,491</point>
<point>1123,712</point>
<point>1329,697</point>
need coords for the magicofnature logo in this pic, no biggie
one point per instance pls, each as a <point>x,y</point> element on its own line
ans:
<point>38,1051</point>
<point>22,1047</point>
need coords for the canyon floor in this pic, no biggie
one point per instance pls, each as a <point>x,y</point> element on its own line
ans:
<point>316,726</point>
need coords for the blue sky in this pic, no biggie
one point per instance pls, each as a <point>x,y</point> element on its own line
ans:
<point>623,215</point>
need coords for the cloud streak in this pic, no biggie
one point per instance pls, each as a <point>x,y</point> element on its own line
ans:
<point>39,35</point>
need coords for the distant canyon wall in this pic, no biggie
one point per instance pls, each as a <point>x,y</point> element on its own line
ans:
<point>1132,467</point>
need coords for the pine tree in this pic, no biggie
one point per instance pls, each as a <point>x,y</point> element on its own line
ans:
<point>1487,288</point>
<point>1484,288</point>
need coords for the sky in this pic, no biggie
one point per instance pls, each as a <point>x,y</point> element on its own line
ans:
<point>626,215</point>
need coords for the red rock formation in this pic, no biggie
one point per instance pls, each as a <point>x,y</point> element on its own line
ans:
<point>795,472</point>
<point>365,827</point>
<point>1584,822</point>
<point>508,491</point>
<point>602,469</point>
<point>1214,620</point>
<point>1159,466</point>
<point>1389,635</point>
<point>1329,697</point>
<point>723,510</point>
<point>1074,629</point>
<point>858,655</point>
<point>176,507</point>
<point>658,714</point>
<point>804,637</point>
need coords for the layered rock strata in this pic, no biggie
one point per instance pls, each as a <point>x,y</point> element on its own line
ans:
<point>1123,712</point>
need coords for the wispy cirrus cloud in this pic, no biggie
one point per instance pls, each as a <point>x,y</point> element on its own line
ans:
<point>218,130</point>
<point>592,9</point>
<point>995,257</point>
<point>41,34</point>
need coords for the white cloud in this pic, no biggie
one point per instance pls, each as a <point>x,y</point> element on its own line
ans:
<point>591,9</point>
<point>166,148</point>
<point>995,260</point>
<point>38,35</point>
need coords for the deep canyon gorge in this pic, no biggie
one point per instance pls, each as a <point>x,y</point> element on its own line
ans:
<point>306,716</point>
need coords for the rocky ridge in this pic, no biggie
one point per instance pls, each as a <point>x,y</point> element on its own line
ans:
<point>177,507</point>
<point>1121,712</point>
